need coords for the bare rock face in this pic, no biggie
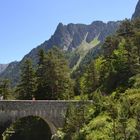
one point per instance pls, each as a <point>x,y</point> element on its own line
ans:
<point>137,11</point>
<point>70,36</point>
<point>3,67</point>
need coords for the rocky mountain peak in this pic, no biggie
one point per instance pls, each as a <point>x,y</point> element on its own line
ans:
<point>66,37</point>
<point>3,67</point>
<point>137,11</point>
<point>60,28</point>
<point>70,36</point>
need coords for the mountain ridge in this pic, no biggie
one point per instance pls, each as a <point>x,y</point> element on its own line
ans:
<point>66,37</point>
<point>136,14</point>
<point>3,67</point>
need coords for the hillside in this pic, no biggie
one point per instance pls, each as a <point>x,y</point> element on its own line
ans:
<point>3,67</point>
<point>68,38</point>
<point>137,11</point>
<point>112,82</point>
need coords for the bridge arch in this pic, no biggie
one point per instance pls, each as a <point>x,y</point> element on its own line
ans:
<point>46,120</point>
<point>38,121</point>
<point>52,111</point>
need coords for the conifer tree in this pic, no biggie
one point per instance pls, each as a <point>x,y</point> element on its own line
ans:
<point>5,89</point>
<point>41,90</point>
<point>27,84</point>
<point>90,79</point>
<point>53,77</point>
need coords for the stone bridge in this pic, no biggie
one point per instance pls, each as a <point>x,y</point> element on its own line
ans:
<point>51,111</point>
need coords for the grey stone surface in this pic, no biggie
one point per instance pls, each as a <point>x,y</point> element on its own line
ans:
<point>137,11</point>
<point>3,67</point>
<point>53,112</point>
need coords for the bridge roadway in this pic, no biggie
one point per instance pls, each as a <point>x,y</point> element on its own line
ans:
<point>51,111</point>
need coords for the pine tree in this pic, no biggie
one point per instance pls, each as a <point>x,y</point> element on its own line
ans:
<point>111,43</point>
<point>90,80</point>
<point>41,90</point>
<point>27,84</point>
<point>137,44</point>
<point>5,88</point>
<point>53,76</point>
<point>126,29</point>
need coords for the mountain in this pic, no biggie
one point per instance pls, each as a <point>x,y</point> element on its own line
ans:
<point>137,11</point>
<point>68,38</point>
<point>3,67</point>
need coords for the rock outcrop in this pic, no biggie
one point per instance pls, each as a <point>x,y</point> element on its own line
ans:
<point>137,11</point>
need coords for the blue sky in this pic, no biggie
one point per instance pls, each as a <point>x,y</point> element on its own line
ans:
<point>24,24</point>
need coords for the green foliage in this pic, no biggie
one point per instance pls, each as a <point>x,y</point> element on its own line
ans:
<point>27,129</point>
<point>53,76</point>
<point>119,62</point>
<point>75,120</point>
<point>27,85</point>
<point>112,81</point>
<point>89,82</point>
<point>82,51</point>
<point>49,80</point>
<point>40,92</point>
<point>5,89</point>
<point>110,117</point>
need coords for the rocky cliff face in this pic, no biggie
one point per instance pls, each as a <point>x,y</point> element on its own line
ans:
<point>3,67</point>
<point>137,11</point>
<point>67,37</point>
<point>70,36</point>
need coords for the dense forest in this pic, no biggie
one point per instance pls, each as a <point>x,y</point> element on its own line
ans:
<point>111,81</point>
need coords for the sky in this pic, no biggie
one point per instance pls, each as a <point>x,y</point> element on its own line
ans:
<point>25,24</point>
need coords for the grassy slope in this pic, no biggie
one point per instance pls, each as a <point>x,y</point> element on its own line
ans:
<point>84,48</point>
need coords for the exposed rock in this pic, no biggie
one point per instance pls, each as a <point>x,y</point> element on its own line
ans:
<point>137,11</point>
<point>3,67</point>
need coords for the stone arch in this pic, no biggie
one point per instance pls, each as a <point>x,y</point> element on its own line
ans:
<point>53,112</point>
<point>51,126</point>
